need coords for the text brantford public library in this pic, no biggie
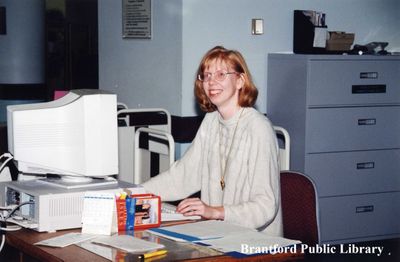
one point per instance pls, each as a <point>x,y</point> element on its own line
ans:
<point>314,249</point>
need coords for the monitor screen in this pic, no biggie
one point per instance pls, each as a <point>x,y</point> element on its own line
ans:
<point>76,135</point>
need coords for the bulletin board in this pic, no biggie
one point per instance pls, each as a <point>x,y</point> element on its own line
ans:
<point>136,19</point>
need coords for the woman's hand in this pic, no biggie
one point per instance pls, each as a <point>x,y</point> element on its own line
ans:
<point>194,206</point>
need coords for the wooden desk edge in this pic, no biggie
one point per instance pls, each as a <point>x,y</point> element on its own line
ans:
<point>24,245</point>
<point>259,257</point>
<point>29,249</point>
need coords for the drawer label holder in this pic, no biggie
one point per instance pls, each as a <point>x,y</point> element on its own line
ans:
<point>368,89</point>
<point>366,165</point>
<point>364,209</point>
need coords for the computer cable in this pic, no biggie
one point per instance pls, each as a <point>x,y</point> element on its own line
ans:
<point>17,207</point>
<point>3,223</point>
<point>3,229</point>
<point>3,240</point>
<point>5,155</point>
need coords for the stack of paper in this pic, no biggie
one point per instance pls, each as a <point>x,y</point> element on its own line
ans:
<point>225,237</point>
<point>66,240</point>
<point>250,243</point>
<point>128,243</point>
<point>198,231</point>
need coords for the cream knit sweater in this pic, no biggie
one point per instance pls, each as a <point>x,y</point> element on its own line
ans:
<point>252,194</point>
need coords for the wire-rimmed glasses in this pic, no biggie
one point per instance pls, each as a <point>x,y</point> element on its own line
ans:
<point>219,75</point>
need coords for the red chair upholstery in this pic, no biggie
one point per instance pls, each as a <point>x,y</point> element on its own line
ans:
<point>299,207</point>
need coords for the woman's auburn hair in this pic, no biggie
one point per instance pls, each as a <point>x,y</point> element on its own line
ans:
<point>233,59</point>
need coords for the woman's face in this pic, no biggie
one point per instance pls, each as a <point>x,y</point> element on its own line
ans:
<point>223,92</point>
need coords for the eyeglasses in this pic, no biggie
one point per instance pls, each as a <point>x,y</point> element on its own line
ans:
<point>219,75</point>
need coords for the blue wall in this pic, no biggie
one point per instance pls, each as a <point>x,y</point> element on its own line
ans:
<point>160,72</point>
<point>22,47</point>
<point>143,72</point>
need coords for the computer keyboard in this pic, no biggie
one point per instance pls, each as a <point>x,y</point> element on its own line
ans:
<point>168,213</point>
<point>168,208</point>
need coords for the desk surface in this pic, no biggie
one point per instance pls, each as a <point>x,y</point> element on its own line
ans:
<point>24,239</point>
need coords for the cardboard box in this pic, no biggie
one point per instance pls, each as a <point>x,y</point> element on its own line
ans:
<point>339,41</point>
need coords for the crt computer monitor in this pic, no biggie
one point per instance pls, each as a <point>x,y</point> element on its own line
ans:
<point>74,136</point>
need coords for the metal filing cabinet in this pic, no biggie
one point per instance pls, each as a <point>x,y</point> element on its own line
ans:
<point>343,115</point>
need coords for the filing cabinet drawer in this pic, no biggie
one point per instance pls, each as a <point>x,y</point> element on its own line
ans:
<point>353,82</point>
<point>354,128</point>
<point>358,172</point>
<point>343,116</point>
<point>359,216</point>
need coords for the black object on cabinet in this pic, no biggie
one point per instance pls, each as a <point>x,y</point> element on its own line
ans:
<point>3,25</point>
<point>304,33</point>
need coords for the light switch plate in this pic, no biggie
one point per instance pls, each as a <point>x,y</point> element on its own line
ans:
<point>257,26</point>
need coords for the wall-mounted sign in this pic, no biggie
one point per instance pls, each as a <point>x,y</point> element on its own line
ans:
<point>136,18</point>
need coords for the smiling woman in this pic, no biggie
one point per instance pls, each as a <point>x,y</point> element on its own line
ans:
<point>230,62</point>
<point>233,159</point>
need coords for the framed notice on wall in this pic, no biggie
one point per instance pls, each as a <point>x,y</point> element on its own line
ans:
<point>136,19</point>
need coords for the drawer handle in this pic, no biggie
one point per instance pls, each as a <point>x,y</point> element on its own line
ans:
<point>367,122</point>
<point>369,75</point>
<point>368,89</point>
<point>364,209</point>
<point>366,165</point>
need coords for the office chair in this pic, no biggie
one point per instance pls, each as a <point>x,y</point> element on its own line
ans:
<point>299,207</point>
<point>157,142</point>
<point>121,106</point>
<point>284,147</point>
<point>129,121</point>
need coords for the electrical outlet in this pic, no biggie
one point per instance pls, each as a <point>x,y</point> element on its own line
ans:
<point>257,26</point>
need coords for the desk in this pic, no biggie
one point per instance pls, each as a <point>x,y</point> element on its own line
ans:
<point>24,239</point>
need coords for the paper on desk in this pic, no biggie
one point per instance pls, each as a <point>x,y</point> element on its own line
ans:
<point>199,230</point>
<point>237,242</point>
<point>103,251</point>
<point>128,243</point>
<point>65,240</point>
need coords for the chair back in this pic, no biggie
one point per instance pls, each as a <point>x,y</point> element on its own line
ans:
<point>284,147</point>
<point>129,121</point>
<point>160,143</point>
<point>299,207</point>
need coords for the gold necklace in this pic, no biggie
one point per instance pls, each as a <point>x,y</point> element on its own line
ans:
<point>223,170</point>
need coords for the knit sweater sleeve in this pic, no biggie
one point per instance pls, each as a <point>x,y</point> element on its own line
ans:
<point>181,179</point>
<point>262,205</point>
